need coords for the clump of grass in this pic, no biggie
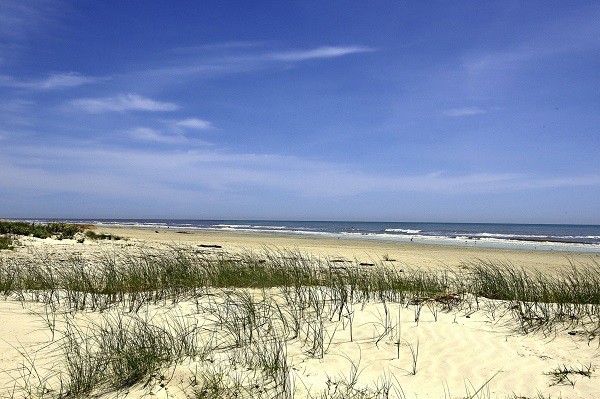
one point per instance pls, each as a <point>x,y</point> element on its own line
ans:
<point>563,375</point>
<point>387,258</point>
<point>347,387</point>
<point>217,382</point>
<point>92,235</point>
<point>7,242</point>
<point>538,301</point>
<point>414,351</point>
<point>120,351</point>
<point>42,230</point>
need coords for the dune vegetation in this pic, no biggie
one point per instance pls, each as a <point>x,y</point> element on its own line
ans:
<point>123,321</point>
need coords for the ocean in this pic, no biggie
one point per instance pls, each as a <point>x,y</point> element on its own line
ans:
<point>559,237</point>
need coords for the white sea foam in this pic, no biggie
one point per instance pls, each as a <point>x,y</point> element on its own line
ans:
<point>407,231</point>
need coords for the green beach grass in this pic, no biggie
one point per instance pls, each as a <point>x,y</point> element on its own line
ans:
<point>41,230</point>
<point>114,330</point>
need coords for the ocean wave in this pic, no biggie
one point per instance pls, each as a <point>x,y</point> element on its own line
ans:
<point>508,236</point>
<point>407,231</point>
<point>233,226</point>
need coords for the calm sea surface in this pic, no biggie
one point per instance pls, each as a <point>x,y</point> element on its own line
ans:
<point>560,237</point>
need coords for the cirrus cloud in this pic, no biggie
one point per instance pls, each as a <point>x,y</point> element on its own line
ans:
<point>248,62</point>
<point>319,52</point>
<point>194,123</point>
<point>121,103</point>
<point>149,134</point>
<point>465,111</point>
<point>52,82</point>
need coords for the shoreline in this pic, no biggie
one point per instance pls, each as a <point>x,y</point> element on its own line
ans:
<point>531,240</point>
<point>412,254</point>
<point>539,237</point>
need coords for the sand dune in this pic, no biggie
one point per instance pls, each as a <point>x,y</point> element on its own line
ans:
<point>473,349</point>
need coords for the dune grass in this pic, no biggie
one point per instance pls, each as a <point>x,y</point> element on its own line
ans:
<point>7,242</point>
<point>11,230</point>
<point>569,297</point>
<point>110,315</point>
<point>42,230</point>
<point>92,235</point>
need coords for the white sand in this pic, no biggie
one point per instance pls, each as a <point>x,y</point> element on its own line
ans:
<point>457,353</point>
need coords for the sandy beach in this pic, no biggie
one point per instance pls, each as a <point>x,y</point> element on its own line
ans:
<point>422,349</point>
<point>410,254</point>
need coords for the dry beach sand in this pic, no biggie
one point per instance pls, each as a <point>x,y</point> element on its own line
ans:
<point>444,354</point>
<point>411,254</point>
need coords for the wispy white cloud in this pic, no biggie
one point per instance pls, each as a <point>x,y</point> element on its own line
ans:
<point>319,52</point>
<point>248,62</point>
<point>122,102</point>
<point>562,37</point>
<point>18,19</point>
<point>149,134</point>
<point>173,133</point>
<point>195,172</point>
<point>55,81</point>
<point>194,123</point>
<point>465,111</point>
<point>61,80</point>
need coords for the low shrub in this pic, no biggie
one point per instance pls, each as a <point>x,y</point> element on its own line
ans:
<point>101,236</point>
<point>41,230</point>
<point>6,242</point>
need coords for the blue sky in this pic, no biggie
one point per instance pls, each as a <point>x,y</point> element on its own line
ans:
<point>338,110</point>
